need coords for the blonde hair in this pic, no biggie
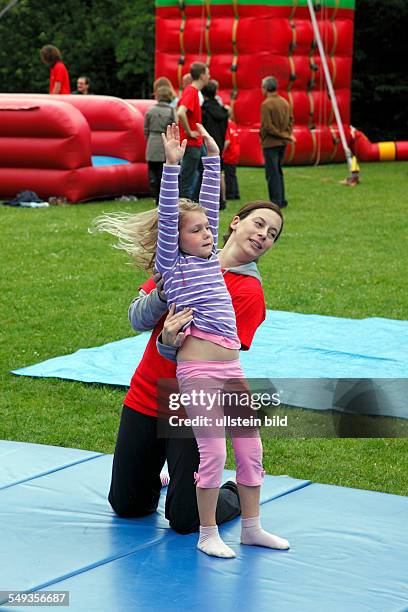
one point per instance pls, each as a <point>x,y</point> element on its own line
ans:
<point>137,233</point>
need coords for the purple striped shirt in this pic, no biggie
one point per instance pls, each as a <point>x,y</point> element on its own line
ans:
<point>192,281</point>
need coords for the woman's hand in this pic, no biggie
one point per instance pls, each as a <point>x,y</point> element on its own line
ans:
<point>159,280</point>
<point>171,141</point>
<point>211,145</point>
<point>171,334</point>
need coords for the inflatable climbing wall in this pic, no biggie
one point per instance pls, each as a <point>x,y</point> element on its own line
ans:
<point>243,41</point>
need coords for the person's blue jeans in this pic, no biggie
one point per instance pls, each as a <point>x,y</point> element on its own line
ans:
<point>189,172</point>
<point>274,176</point>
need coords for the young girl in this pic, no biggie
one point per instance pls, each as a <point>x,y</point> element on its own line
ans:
<point>186,258</point>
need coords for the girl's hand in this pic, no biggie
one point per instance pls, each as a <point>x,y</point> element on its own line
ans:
<point>171,334</point>
<point>171,141</point>
<point>211,145</point>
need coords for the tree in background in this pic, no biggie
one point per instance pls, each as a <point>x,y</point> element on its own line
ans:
<point>380,79</point>
<point>112,41</point>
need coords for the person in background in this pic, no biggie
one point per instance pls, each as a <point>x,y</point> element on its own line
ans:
<point>215,121</point>
<point>164,81</point>
<point>156,120</point>
<point>187,80</point>
<point>217,96</point>
<point>188,115</point>
<point>215,116</point>
<point>83,85</point>
<point>275,134</point>
<point>231,158</point>
<point>59,77</point>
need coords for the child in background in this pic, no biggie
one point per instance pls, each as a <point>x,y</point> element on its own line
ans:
<point>156,120</point>
<point>230,158</point>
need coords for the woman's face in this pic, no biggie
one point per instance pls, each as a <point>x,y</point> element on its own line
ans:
<point>256,233</point>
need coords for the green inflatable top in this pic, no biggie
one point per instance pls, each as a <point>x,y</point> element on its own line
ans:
<point>341,4</point>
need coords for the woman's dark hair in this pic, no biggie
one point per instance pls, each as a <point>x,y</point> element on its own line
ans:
<point>210,90</point>
<point>50,54</point>
<point>250,207</point>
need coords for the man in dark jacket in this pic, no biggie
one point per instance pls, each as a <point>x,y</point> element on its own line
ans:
<point>275,133</point>
<point>215,121</point>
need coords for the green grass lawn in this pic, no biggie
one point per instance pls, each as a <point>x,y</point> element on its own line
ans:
<point>342,253</point>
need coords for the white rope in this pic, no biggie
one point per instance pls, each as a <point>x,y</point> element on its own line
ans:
<point>329,83</point>
<point>322,106</point>
<point>8,7</point>
<point>202,28</point>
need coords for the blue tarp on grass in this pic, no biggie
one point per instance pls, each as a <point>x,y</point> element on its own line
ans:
<point>287,346</point>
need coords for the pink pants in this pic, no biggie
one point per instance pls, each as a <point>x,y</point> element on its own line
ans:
<point>210,378</point>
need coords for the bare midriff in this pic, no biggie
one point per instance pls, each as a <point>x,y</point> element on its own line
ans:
<point>197,349</point>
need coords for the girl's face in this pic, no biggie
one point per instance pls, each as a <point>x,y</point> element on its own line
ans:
<point>257,232</point>
<point>195,236</point>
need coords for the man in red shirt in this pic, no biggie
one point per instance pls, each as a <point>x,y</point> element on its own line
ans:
<point>188,115</point>
<point>59,77</point>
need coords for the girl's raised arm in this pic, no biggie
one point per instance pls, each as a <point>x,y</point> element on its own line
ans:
<point>168,235</point>
<point>210,186</point>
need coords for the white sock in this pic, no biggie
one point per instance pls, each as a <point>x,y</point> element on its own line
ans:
<point>211,544</point>
<point>253,535</point>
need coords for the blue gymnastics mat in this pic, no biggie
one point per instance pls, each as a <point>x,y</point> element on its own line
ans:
<point>349,548</point>
<point>287,347</point>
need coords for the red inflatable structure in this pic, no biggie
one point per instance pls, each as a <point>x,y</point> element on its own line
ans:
<point>242,42</point>
<point>85,147</point>
<point>377,151</point>
<point>80,147</point>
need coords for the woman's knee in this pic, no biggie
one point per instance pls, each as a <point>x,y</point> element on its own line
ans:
<point>184,524</point>
<point>181,509</point>
<point>128,507</point>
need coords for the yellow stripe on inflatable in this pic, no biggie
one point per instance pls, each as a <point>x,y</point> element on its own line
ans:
<point>387,150</point>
